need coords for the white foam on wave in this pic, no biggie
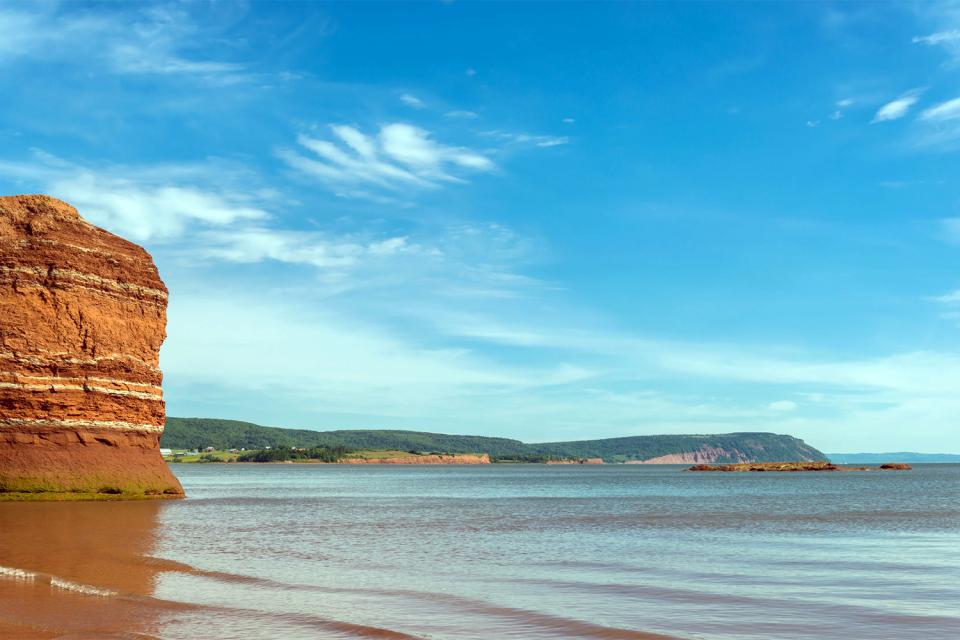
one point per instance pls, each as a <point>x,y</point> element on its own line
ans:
<point>21,575</point>
<point>76,587</point>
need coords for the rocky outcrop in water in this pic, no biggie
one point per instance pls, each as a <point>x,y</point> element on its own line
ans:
<point>791,466</point>
<point>82,318</point>
<point>768,466</point>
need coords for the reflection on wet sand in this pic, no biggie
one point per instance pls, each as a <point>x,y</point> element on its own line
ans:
<point>78,570</point>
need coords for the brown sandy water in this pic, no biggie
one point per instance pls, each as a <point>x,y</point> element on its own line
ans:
<point>87,570</point>
<point>329,551</point>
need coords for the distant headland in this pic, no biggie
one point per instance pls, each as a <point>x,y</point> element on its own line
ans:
<point>232,440</point>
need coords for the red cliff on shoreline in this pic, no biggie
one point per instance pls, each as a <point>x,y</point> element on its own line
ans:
<point>82,318</point>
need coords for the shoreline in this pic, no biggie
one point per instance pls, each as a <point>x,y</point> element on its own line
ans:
<point>54,496</point>
<point>420,459</point>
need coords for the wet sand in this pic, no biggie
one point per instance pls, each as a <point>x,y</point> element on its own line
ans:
<point>76,569</point>
<point>86,570</point>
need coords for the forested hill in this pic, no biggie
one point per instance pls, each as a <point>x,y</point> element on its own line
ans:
<point>198,433</point>
<point>758,447</point>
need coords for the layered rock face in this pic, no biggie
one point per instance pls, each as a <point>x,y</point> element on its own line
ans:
<point>705,453</point>
<point>82,318</point>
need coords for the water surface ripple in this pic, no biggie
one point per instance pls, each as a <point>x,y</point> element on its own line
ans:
<point>524,551</point>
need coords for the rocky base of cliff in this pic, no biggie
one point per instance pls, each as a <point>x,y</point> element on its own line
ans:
<point>83,464</point>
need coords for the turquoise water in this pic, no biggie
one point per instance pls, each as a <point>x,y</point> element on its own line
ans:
<point>528,551</point>
<point>538,551</point>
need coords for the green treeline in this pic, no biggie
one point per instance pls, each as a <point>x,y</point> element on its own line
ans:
<point>534,458</point>
<point>283,454</point>
<point>199,433</point>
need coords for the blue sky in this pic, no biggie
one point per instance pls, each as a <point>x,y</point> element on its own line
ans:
<point>544,221</point>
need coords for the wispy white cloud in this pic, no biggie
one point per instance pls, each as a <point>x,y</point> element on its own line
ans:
<point>414,148</point>
<point>364,368</point>
<point>842,105</point>
<point>951,298</point>
<point>916,372</point>
<point>945,17</point>
<point>133,39</point>
<point>216,213</point>
<point>782,405</point>
<point>469,115</point>
<point>949,304</point>
<point>38,31</point>
<point>553,142</point>
<point>940,37</point>
<point>129,58</point>
<point>907,373</point>
<point>949,110</point>
<point>150,212</point>
<point>951,229</point>
<point>155,203</point>
<point>527,138</point>
<point>412,101</point>
<point>399,157</point>
<point>250,244</point>
<point>896,109</point>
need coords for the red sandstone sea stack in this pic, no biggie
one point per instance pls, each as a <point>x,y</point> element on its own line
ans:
<point>82,318</point>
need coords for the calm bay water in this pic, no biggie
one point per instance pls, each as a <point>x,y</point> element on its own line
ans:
<point>526,551</point>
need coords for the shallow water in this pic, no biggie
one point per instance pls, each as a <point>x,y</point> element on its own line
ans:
<point>525,551</point>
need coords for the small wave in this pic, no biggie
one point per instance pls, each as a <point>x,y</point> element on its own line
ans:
<point>76,587</point>
<point>20,575</point>
<point>339,627</point>
<point>523,618</point>
<point>330,627</point>
<point>23,575</point>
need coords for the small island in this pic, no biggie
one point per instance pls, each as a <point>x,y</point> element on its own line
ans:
<point>793,467</point>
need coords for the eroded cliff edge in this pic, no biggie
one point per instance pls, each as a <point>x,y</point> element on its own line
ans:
<point>82,318</point>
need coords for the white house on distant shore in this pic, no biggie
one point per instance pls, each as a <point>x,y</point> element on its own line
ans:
<point>166,452</point>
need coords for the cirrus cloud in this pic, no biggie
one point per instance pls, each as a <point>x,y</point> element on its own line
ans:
<point>896,109</point>
<point>398,157</point>
<point>949,110</point>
